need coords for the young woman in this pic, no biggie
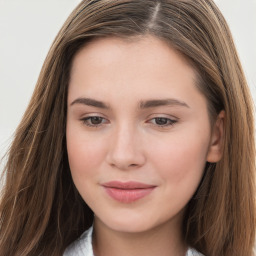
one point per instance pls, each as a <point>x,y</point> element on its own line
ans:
<point>138,139</point>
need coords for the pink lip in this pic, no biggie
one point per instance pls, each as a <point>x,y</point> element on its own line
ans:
<point>127,192</point>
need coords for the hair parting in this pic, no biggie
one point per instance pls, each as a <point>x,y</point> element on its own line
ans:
<point>42,212</point>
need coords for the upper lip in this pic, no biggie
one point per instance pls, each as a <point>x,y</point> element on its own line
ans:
<point>127,185</point>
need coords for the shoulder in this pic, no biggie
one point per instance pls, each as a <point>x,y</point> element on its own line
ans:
<point>193,252</point>
<point>82,246</point>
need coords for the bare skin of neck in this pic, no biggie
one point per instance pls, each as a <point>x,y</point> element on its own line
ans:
<point>164,240</point>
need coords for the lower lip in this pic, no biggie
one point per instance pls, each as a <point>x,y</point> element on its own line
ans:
<point>128,195</point>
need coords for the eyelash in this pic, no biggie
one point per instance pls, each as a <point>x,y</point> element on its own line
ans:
<point>87,121</point>
<point>171,122</point>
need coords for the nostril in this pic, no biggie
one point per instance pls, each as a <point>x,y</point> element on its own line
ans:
<point>125,152</point>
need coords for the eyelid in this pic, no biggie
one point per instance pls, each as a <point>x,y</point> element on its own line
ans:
<point>172,120</point>
<point>161,115</point>
<point>85,120</point>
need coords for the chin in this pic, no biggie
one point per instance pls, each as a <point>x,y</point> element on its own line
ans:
<point>130,227</point>
<point>129,223</point>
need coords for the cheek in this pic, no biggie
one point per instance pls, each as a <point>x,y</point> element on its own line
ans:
<point>180,160</point>
<point>84,153</point>
<point>180,166</point>
<point>85,156</point>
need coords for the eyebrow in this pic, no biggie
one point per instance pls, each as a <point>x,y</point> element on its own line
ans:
<point>162,102</point>
<point>142,105</point>
<point>90,102</point>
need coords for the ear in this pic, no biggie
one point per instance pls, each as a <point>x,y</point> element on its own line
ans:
<point>217,139</point>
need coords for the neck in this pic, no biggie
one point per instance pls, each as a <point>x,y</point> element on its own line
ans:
<point>164,240</point>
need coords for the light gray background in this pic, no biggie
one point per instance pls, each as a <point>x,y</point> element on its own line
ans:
<point>28,27</point>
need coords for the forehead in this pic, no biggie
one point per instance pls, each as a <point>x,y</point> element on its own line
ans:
<point>139,68</point>
<point>106,50</point>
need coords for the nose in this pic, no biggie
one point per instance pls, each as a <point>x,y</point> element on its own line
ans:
<point>126,150</point>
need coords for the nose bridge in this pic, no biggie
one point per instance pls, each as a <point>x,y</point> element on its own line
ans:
<point>125,149</point>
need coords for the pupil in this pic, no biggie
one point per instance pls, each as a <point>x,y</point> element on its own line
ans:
<point>96,120</point>
<point>161,121</point>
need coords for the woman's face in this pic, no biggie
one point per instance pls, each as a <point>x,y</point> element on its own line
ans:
<point>138,132</point>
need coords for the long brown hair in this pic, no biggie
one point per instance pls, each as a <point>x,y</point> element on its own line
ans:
<point>41,211</point>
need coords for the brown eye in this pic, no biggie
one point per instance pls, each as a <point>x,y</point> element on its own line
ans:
<point>96,119</point>
<point>93,121</point>
<point>162,121</point>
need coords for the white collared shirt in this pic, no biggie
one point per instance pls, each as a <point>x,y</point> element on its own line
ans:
<point>83,246</point>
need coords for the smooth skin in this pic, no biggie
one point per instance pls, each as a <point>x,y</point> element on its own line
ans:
<point>135,114</point>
